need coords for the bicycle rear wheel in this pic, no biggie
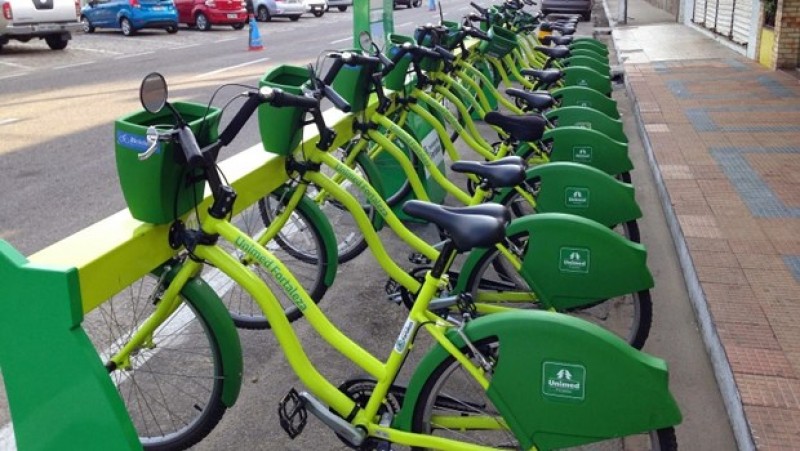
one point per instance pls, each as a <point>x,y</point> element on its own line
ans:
<point>451,398</point>
<point>173,387</point>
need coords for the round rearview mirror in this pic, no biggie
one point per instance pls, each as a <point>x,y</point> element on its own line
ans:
<point>365,41</point>
<point>153,92</point>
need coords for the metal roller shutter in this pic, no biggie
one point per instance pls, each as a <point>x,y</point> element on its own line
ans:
<point>711,14</point>
<point>724,17</point>
<point>742,21</point>
<point>699,11</point>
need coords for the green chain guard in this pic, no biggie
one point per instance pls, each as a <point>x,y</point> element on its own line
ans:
<point>563,381</point>
<point>589,147</point>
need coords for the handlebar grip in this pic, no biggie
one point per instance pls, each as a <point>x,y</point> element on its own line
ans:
<point>278,98</point>
<point>361,60</point>
<point>239,120</point>
<point>444,53</point>
<point>476,33</point>
<point>337,100</point>
<point>480,9</point>
<point>191,149</point>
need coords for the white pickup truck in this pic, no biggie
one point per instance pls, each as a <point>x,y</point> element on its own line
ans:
<point>51,20</point>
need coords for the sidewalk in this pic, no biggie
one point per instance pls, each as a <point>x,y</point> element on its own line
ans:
<point>723,138</point>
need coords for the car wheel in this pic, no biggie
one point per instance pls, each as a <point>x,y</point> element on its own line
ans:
<point>263,14</point>
<point>87,26</point>
<point>342,8</point>
<point>238,26</point>
<point>202,22</point>
<point>127,27</point>
<point>587,16</point>
<point>172,29</point>
<point>318,13</point>
<point>56,41</point>
<point>294,18</point>
<point>417,3</point>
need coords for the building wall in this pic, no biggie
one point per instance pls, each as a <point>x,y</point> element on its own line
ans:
<point>670,6</point>
<point>786,49</point>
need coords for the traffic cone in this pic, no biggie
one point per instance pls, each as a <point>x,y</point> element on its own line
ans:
<point>255,37</point>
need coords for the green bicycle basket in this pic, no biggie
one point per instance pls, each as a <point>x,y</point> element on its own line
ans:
<point>501,42</point>
<point>396,78</point>
<point>281,128</point>
<point>352,84</point>
<point>156,189</point>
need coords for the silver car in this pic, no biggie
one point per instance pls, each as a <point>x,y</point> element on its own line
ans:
<point>265,10</point>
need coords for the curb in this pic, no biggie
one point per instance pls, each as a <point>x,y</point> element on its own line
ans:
<point>719,360</point>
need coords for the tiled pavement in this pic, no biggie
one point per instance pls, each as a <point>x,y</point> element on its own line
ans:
<point>724,137</point>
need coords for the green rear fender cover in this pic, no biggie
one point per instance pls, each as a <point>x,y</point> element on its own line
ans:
<point>561,381</point>
<point>587,117</point>
<point>589,147</point>
<point>590,78</point>
<point>313,212</point>
<point>587,61</point>
<point>586,97</point>
<point>585,40</point>
<point>572,261</point>
<point>589,52</point>
<point>580,190</point>
<point>206,301</point>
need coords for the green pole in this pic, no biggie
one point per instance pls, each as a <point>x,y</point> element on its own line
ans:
<point>374,16</point>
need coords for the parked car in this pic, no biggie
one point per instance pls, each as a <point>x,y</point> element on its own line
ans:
<point>340,4</point>
<point>582,7</point>
<point>129,16</point>
<point>408,3</point>
<point>316,7</point>
<point>265,10</point>
<point>204,13</point>
<point>52,21</point>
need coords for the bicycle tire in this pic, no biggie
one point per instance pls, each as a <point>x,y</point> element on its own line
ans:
<point>629,316</point>
<point>182,368</point>
<point>299,245</point>
<point>448,391</point>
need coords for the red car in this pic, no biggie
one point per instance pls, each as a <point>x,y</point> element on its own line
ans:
<point>204,13</point>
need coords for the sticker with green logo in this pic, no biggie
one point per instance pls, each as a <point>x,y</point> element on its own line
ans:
<point>582,154</point>
<point>576,197</point>
<point>574,259</point>
<point>584,125</point>
<point>583,82</point>
<point>585,103</point>
<point>564,380</point>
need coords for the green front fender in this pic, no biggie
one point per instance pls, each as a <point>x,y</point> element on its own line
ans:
<point>561,381</point>
<point>313,212</point>
<point>580,190</point>
<point>208,304</point>
<point>589,147</point>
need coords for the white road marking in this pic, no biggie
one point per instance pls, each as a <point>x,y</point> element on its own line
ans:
<point>14,75</point>
<point>19,66</point>
<point>6,122</point>
<point>404,24</point>
<point>342,40</point>
<point>67,66</point>
<point>223,40</point>
<point>87,49</point>
<point>134,55</point>
<point>214,72</point>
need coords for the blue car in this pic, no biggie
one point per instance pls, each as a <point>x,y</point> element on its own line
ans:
<point>129,15</point>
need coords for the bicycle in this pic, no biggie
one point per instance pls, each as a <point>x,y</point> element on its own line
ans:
<point>573,378</point>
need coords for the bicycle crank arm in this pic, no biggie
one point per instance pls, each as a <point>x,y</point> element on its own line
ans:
<point>341,427</point>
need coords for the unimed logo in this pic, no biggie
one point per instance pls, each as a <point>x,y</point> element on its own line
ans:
<point>137,143</point>
<point>564,380</point>
<point>574,259</point>
<point>582,154</point>
<point>576,197</point>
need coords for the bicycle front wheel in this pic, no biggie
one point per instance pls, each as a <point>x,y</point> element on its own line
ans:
<point>453,405</point>
<point>173,387</point>
<point>299,246</point>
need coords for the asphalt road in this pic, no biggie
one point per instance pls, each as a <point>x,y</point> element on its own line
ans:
<point>58,176</point>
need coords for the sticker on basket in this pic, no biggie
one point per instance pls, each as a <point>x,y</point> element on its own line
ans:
<point>582,154</point>
<point>137,143</point>
<point>564,380</point>
<point>576,197</point>
<point>574,259</point>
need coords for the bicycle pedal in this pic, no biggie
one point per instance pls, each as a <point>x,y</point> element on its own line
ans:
<point>418,259</point>
<point>393,291</point>
<point>292,414</point>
